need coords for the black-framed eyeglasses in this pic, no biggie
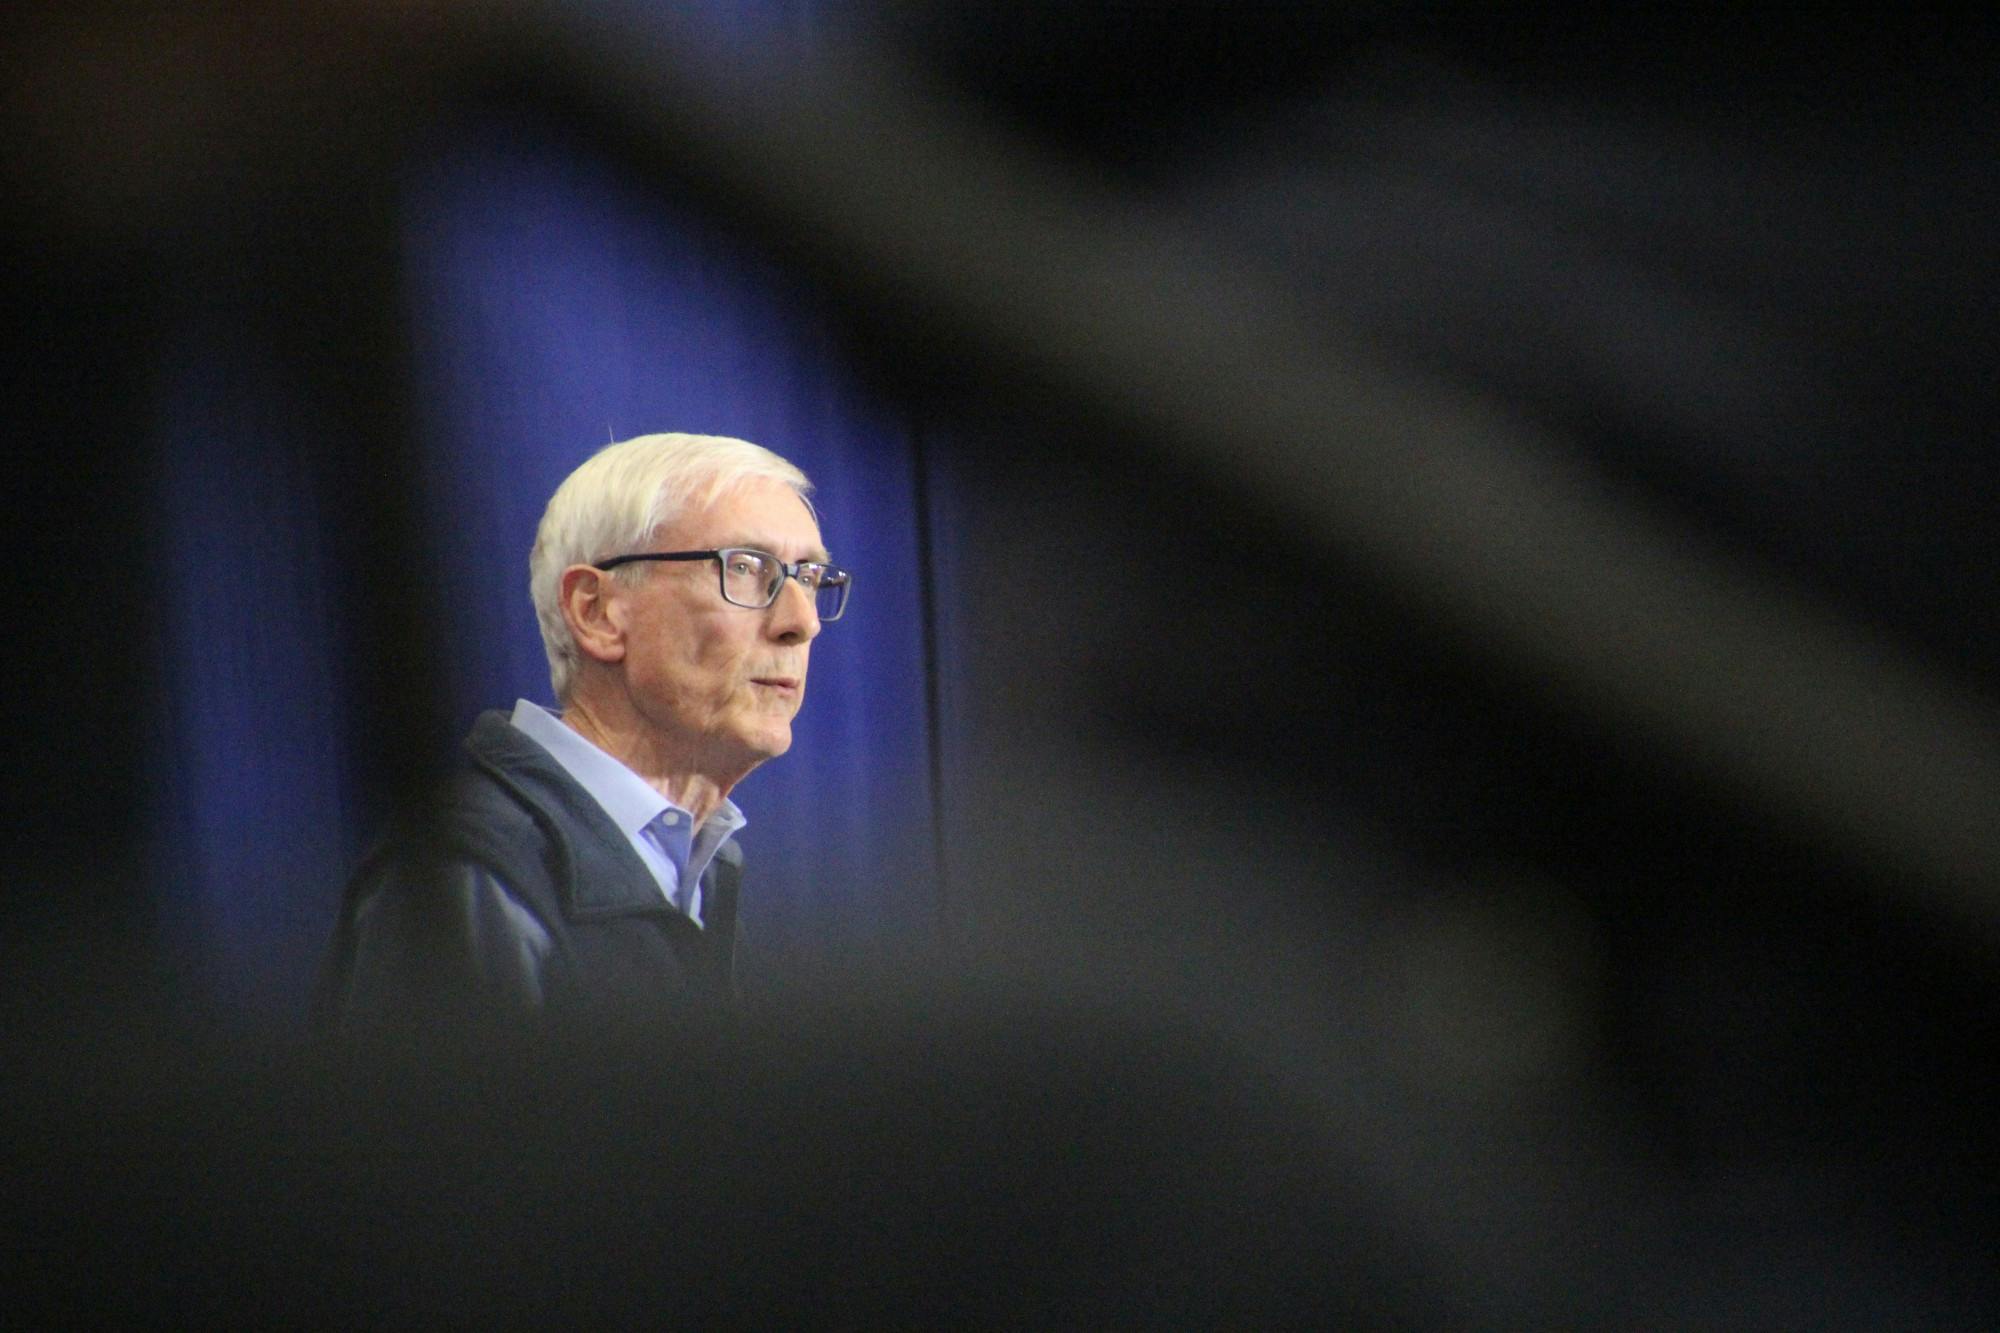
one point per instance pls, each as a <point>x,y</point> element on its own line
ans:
<point>752,579</point>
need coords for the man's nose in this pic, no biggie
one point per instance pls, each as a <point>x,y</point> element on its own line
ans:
<point>794,616</point>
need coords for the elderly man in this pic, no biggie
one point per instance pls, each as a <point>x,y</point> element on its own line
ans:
<point>585,861</point>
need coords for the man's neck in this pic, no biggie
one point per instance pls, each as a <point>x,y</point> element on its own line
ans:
<point>678,776</point>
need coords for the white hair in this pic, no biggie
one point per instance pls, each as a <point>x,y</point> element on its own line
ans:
<point>614,503</point>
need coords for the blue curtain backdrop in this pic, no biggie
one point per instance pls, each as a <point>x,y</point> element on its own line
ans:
<point>552,309</point>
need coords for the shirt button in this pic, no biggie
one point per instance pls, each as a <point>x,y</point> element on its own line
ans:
<point>670,819</point>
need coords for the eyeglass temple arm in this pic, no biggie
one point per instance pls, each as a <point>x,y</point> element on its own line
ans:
<point>618,560</point>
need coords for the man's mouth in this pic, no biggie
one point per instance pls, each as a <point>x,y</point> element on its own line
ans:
<point>776,682</point>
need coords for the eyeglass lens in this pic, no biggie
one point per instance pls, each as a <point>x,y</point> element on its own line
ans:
<point>752,579</point>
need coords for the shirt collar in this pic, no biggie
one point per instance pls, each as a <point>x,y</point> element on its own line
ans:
<point>630,801</point>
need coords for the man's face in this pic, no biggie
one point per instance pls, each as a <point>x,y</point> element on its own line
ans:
<point>718,684</point>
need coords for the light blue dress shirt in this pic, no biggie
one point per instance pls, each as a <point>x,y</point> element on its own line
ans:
<point>660,832</point>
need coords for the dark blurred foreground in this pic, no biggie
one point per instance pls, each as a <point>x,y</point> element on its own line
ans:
<point>985,1160</point>
<point>1485,751</point>
<point>991,1165</point>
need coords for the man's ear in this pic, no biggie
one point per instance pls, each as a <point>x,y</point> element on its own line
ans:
<point>589,603</point>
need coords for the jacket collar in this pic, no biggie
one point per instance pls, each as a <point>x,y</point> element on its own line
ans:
<point>598,873</point>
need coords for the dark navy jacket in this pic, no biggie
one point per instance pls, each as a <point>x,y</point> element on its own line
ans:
<point>528,899</point>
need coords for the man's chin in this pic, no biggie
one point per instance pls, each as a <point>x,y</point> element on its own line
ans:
<point>768,743</point>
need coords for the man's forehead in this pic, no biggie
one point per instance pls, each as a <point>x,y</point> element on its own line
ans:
<point>761,513</point>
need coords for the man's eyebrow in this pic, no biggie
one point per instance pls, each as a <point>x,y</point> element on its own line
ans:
<point>814,554</point>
